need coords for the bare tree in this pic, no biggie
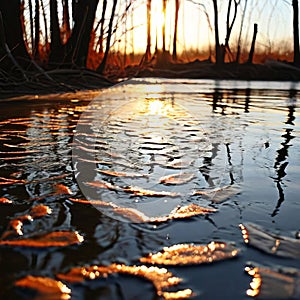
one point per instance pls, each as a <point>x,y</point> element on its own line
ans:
<point>164,2</point>
<point>101,37</point>
<point>240,33</point>
<point>12,28</point>
<point>66,21</point>
<point>56,45</point>
<point>35,50</point>
<point>45,22</point>
<point>229,24</point>
<point>251,53</point>
<point>77,47</point>
<point>174,54</point>
<point>296,32</point>
<point>217,42</point>
<point>31,24</point>
<point>148,48</point>
<point>102,65</point>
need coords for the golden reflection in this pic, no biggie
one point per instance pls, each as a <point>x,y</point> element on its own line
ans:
<point>4,200</point>
<point>244,233</point>
<point>46,288</point>
<point>174,179</point>
<point>161,278</point>
<point>135,215</point>
<point>272,243</point>
<point>188,254</point>
<point>157,107</point>
<point>52,239</point>
<point>273,283</point>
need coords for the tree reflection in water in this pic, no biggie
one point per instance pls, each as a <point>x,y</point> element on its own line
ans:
<point>281,161</point>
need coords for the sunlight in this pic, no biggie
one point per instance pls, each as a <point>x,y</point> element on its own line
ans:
<point>156,107</point>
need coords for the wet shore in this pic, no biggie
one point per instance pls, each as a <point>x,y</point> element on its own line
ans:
<point>73,81</point>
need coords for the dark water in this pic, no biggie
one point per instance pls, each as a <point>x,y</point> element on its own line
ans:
<point>242,137</point>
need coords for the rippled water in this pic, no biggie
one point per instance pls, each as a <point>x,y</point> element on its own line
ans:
<point>149,146</point>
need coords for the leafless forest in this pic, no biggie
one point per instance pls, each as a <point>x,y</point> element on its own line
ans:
<point>44,35</point>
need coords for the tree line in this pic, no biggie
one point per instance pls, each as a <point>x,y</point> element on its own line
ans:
<point>63,33</point>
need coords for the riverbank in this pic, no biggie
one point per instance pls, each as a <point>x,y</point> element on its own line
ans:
<point>72,81</point>
<point>270,71</point>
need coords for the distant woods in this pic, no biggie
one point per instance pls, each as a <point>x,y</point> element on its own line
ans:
<point>85,34</point>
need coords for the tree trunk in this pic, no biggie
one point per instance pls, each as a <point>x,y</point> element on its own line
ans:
<point>77,47</point>
<point>45,22</point>
<point>66,21</point>
<point>250,58</point>
<point>164,26</point>
<point>174,55</point>
<point>217,42</point>
<point>296,32</point>
<point>31,25</point>
<point>229,26</point>
<point>240,34</point>
<point>102,65</point>
<point>56,54</point>
<point>36,53</point>
<point>101,38</point>
<point>12,27</point>
<point>148,48</point>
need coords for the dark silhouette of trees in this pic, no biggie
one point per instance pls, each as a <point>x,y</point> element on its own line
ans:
<point>102,65</point>
<point>56,45</point>
<point>35,46</point>
<point>40,31</point>
<point>77,46</point>
<point>101,37</point>
<point>230,23</point>
<point>217,41</point>
<point>164,2</point>
<point>13,33</point>
<point>296,32</point>
<point>148,47</point>
<point>251,53</point>
<point>174,54</point>
<point>237,59</point>
<point>66,29</point>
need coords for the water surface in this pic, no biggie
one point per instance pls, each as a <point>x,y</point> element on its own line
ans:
<point>237,144</point>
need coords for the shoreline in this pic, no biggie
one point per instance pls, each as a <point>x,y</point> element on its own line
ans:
<point>68,83</point>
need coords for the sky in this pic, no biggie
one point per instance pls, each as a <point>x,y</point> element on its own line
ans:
<point>196,24</point>
<point>195,28</point>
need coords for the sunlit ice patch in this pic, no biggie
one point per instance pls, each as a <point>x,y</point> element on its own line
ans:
<point>139,148</point>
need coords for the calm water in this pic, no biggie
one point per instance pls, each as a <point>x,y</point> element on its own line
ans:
<point>241,138</point>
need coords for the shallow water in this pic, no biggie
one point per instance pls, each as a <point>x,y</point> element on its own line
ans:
<point>232,146</point>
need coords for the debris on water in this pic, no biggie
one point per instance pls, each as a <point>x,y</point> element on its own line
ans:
<point>257,237</point>
<point>190,254</point>
<point>15,226</point>
<point>273,283</point>
<point>181,164</point>
<point>122,174</point>
<point>137,191</point>
<point>137,216</point>
<point>161,278</point>
<point>52,239</point>
<point>45,287</point>
<point>39,211</point>
<point>218,195</point>
<point>5,200</point>
<point>92,202</point>
<point>61,189</point>
<point>103,185</point>
<point>8,181</point>
<point>174,179</point>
